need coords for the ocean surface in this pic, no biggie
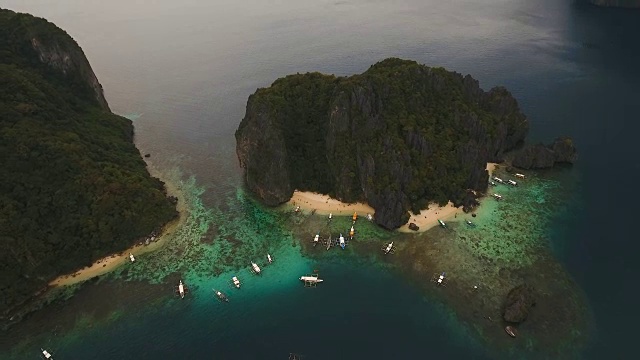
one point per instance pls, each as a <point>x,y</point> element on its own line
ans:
<point>182,71</point>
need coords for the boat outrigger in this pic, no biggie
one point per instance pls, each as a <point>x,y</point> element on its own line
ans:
<point>389,249</point>
<point>46,354</point>
<point>442,223</point>
<point>255,268</point>
<point>221,296</point>
<point>131,257</point>
<point>311,280</point>
<point>341,241</point>
<point>181,289</point>
<point>440,280</point>
<point>235,282</point>
<point>498,197</point>
<point>269,259</point>
<point>316,240</point>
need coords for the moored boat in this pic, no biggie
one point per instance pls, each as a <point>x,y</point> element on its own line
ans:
<point>255,268</point>
<point>269,259</point>
<point>352,232</point>
<point>220,295</point>
<point>498,197</point>
<point>342,242</point>
<point>181,289</point>
<point>513,183</point>
<point>442,223</point>
<point>388,249</point>
<point>511,331</point>
<point>46,354</point>
<point>470,223</point>
<point>313,279</point>
<point>316,239</point>
<point>236,282</point>
<point>131,257</point>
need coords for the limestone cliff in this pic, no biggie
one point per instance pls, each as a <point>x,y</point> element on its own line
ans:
<point>617,3</point>
<point>539,156</point>
<point>397,136</point>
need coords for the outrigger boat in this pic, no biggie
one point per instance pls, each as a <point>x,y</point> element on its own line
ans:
<point>388,249</point>
<point>470,223</point>
<point>442,223</point>
<point>131,257</point>
<point>352,232</point>
<point>316,239</point>
<point>513,183</point>
<point>497,179</point>
<point>311,280</point>
<point>355,216</point>
<point>369,217</point>
<point>269,259</point>
<point>297,209</point>
<point>440,280</point>
<point>46,354</point>
<point>235,282</point>
<point>221,296</point>
<point>182,289</point>
<point>341,241</point>
<point>330,216</point>
<point>255,268</point>
<point>492,183</point>
<point>520,176</point>
<point>511,331</point>
<point>498,197</point>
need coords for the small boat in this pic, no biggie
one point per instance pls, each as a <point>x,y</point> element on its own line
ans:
<point>46,354</point>
<point>330,216</point>
<point>442,223</point>
<point>470,223</point>
<point>497,179</point>
<point>342,242</point>
<point>221,296</point>
<point>355,216</point>
<point>441,278</point>
<point>498,197</point>
<point>369,217</point>
<point>352,232</point>
<point>520,176</point>
<point>388,249</point>
<point>316,239</point>
<point>181,289</point>
<point>236,282</point>
<point>513,183</point>
<point>297,209</point>
<point>131,257</point>
<point>311,279</point>
<point>269,259</point>
<point>255,268</point>
<point>492,183</point>
<point>511,331</point>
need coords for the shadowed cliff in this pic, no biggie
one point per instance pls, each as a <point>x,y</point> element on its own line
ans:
<point>73,186</point>
<point>398,136</point>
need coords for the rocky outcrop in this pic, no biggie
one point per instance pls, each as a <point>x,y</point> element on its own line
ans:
<point>518,303</point>
<point>617,3</point>
<point>539,156</point>
<point>397,136</point>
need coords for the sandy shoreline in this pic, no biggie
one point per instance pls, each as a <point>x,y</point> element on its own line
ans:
<point>113,261</point>
<point>323,204</point>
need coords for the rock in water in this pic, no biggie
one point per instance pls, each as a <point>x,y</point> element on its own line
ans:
<point>540,156</point>
<point>519,300</point>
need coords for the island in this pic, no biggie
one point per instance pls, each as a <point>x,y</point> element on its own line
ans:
<point>397,137</point>
<point>73,186</point>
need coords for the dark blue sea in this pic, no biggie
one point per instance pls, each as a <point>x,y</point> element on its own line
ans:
<point>182,71</point>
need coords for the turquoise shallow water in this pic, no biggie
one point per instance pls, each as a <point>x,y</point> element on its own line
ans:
<point>184,71</point>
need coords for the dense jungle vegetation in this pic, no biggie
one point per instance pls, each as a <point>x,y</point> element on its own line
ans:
<point>73,186</point>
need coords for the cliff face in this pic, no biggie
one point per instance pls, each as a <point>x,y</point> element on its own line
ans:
<point>617,3</point>
<point>73,186</point>
<point>397,136</point>
<point>539,156</point>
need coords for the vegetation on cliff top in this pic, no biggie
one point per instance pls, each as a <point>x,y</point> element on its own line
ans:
<point>73,186</point>
<point>400,132</point>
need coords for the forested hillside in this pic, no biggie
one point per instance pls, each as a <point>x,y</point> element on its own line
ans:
<point>73,186</point>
